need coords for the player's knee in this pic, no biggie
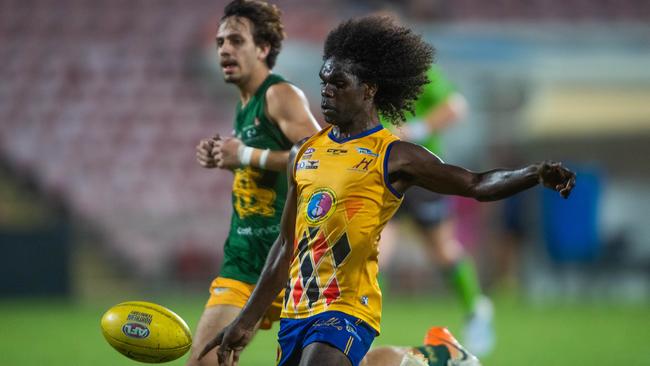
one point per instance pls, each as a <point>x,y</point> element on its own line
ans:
<point>383,356</point>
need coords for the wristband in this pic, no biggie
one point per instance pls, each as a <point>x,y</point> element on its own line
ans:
<point>244,154</point>
<point>263,157</point>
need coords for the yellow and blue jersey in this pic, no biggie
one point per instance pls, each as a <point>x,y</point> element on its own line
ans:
<point>343,202</point>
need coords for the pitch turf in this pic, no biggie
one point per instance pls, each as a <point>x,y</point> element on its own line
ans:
<point>56,333</point>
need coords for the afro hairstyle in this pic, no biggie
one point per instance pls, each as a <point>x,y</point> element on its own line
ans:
<point>385,54</point>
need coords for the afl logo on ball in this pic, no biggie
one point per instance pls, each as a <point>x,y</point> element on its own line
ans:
<point>321,205</point>
<point>135,330</point>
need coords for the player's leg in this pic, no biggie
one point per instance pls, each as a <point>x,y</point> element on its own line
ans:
<point>323,354</point>
<point>445,250</point>
<point>213,320</point>
<point>431,213</point>
<point>227,298</point>
<point>440,348</point>
<point>385,356</point>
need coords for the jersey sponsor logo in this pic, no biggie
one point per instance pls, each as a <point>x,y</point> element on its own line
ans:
<point>308,164</point>
<point>337,151</point>
<point>135,330</point>
<point>259,231</point>
<point>249,198</point>
<point>320,206</point>
<point>249,132</point>
<point>366,151</point>
<point>307,153</point>
<point>363,165</point>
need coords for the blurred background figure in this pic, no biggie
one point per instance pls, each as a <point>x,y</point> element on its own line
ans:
<point>102,103</point>
<point>439,106</point>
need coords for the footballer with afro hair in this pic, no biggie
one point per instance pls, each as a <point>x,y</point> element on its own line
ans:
<point>332,311</point>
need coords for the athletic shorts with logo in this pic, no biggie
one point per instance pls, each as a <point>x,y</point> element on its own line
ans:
<point>350,335</point>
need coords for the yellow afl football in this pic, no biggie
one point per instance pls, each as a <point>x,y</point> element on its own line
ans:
<point>146,332</point>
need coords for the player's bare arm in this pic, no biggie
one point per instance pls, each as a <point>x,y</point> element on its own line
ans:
<point>410,164</point>
<point>287,106</point>
<point>239,333</point>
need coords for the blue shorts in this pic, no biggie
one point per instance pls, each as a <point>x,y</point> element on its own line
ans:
<point>350,335</point>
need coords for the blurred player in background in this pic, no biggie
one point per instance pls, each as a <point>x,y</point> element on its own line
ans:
<point>346,182</point>
<point>272,115</point>
<point>438,107</point>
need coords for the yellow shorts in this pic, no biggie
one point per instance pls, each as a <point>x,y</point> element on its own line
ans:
<point>226,291</point>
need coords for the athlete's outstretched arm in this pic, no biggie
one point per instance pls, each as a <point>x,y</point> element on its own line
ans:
<point>411,164</point>
<point>239,333</point>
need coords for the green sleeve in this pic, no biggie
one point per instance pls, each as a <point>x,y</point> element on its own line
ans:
<point>434,93</point>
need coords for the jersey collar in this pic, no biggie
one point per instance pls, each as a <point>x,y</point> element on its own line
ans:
<point>354,137</point>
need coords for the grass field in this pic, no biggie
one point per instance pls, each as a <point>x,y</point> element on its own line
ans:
<point>57,333</point>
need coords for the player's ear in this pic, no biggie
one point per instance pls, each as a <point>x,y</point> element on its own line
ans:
<point>370,89</point>
<point>263,51</point>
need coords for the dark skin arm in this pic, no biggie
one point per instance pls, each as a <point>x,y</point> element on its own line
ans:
<point>411,164</point>
<point>232,339</point>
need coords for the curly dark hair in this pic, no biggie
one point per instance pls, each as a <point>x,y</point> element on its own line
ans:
<point>385,54</point>
<point>267,26</point>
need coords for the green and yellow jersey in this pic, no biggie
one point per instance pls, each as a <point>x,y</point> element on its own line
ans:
<point>258,195</point>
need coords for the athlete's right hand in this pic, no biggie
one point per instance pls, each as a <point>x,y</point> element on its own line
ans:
<point>204,154</point>
<point>231,342</point>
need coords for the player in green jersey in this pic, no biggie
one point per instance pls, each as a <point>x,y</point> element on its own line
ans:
<point>439,106</point>
<point>271,116</point>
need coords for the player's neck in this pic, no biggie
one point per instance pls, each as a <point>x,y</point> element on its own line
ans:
<point>250,86</point>
<point>364,121</point>
<point>356,127</point>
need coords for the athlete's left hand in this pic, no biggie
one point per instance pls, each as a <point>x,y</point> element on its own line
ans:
<point>231,341</point>
<point>556,177</point>
<point>225,153</point>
